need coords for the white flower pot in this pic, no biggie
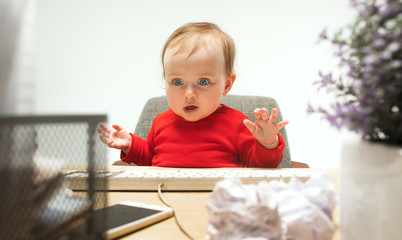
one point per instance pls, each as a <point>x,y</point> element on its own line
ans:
<point>371,191</point>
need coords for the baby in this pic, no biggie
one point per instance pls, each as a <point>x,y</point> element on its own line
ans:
<point>197,130</point>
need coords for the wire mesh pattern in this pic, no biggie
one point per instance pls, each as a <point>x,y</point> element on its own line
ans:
<point>35,201</point>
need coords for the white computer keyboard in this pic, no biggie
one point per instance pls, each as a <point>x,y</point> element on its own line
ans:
<point>186,179</point>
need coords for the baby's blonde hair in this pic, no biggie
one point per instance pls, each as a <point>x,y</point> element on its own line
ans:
<point>198,34</point>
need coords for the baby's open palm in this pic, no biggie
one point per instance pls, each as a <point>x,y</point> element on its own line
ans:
<point>265,128</point>
<point>117,137</point>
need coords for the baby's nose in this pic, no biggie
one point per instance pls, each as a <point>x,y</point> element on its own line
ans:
<point>190,93</point>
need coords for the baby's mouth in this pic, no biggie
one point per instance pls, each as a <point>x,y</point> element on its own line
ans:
<point>190,108</point>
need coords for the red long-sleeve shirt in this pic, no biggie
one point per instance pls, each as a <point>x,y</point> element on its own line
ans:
<point>219,140</point>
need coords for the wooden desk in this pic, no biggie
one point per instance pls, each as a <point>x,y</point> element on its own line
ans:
<point>191,209</point>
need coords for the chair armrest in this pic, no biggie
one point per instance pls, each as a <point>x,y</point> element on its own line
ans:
<point>299,165</point>
<point>120,163</point>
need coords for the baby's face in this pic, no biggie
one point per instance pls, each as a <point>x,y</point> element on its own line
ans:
<point>195,84</point>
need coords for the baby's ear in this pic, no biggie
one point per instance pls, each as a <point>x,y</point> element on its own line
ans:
<point>230,79</point>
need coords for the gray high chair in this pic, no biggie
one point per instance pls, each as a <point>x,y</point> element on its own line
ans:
<point>245,104</point>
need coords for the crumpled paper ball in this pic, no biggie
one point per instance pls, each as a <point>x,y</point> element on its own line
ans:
<point>274,210</point>
<point>238,211</point>
<point>306,208</point>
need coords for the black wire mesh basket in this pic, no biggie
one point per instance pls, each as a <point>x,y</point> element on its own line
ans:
<point>35,199</point>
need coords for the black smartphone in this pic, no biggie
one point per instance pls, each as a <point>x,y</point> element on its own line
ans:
<point>123,218</point>
<point>129,216</point>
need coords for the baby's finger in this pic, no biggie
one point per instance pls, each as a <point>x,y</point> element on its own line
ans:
<point>264,114</point>
<point>101,131</point>
<point>104,128</point>
<point>250,125</point>
<point>117,127</point>
<point>257,114</point>
<point>106,135</point>
<point>282,124</point>
<point>103,138</point>
<point>274,115</point>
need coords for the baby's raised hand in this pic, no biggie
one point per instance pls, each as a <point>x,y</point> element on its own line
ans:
<point>115,138</point>
<point>265,129</point>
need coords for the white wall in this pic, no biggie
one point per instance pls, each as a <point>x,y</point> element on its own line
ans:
<point>103,56</point>
<point>17,56</point>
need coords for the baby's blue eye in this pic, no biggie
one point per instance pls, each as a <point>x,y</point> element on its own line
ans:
<point>177,82</point>
<point>203,82</point>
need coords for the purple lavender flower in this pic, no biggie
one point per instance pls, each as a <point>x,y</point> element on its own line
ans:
<point>339,52</point>
<point>369,91</point>
<point>310,109</point>
<point>322,36</point>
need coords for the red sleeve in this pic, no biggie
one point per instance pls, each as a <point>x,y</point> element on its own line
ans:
<point>139,152</point>
<point>267,158</point>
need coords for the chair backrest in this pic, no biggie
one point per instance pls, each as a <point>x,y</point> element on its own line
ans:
<point>245,104</point>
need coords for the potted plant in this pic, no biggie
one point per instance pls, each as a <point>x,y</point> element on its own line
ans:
<point>367,88</point>
<point>369,93</point>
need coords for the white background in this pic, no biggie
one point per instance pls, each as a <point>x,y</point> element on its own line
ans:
<point>103,56</point>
